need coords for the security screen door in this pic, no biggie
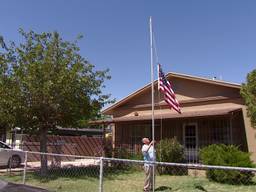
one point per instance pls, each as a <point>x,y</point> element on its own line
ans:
<point>190,141</point>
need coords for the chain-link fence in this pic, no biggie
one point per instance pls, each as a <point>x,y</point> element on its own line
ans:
<point>70,173</point>
<point>54,172</point>
<point>130,175</point>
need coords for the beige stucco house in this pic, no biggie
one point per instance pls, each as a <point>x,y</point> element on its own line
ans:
<point>212,112</point>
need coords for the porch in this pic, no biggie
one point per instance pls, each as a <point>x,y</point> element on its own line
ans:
<point>193,133</point>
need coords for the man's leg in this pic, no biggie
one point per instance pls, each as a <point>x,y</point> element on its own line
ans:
<point>151,178</point>
<point>147,178</point>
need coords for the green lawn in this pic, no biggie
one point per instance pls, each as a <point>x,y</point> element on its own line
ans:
<point>129,181</point>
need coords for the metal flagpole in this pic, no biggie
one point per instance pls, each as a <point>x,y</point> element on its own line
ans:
<point>152,95</point>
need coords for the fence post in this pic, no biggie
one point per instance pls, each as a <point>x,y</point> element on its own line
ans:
<point>101,175</point>
<point>9,170</point>
<point>25,168</point>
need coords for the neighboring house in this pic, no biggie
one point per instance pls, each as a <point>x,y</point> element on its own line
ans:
<point>212,112</point>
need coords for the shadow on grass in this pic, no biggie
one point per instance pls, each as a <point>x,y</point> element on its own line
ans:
<point>200,187</point>
<point>163,188</point>
<point>68,172</point>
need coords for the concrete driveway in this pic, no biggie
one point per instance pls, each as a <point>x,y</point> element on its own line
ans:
<point>11,187</point>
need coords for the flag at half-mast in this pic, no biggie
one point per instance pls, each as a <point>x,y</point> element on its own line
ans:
<point>165,87</point>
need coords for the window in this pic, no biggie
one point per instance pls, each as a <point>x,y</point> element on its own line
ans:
<point>220,132</point>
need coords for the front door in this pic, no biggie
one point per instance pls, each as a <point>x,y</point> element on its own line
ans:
<point>190,141</point>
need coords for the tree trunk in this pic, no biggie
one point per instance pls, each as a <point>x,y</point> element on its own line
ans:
<point>43,149</point>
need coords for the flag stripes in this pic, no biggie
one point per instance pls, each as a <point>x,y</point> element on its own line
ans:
<point>165,87</point>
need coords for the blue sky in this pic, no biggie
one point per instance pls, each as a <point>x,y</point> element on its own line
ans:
<point>197,37</point>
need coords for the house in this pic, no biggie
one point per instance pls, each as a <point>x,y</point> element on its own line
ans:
<point>212,112</point>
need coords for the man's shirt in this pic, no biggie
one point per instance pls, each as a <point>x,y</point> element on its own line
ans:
<point>148,154</point>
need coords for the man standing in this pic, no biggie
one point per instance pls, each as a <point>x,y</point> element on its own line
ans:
<point>148,155</point>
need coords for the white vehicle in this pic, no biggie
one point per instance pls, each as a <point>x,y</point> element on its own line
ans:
<point>10,157</point>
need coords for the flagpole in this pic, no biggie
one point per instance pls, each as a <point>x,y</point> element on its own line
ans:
<point>152,94</point>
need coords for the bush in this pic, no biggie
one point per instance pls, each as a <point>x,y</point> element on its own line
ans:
<point>136,156</point>
<point>121,153</point>
<point>227,155</point>
<point>170,150</point>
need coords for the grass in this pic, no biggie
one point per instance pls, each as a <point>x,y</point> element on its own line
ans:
<point>87,180</point>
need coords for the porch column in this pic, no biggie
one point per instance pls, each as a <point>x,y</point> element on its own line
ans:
<point>231,128</point>
<point>113,135</point>
<point>250,134</point>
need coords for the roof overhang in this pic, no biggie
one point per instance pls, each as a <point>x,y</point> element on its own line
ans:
<point>173,115</point>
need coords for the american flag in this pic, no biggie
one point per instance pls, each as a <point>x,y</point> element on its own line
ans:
<point>165,87</point>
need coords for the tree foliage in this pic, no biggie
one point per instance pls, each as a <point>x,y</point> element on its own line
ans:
<point>248,93</point>
<point>45,83</point>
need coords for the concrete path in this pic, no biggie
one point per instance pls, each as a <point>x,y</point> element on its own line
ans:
<point>11,187</point>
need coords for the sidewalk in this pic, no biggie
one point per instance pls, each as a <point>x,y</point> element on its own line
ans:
<point>64,164</point>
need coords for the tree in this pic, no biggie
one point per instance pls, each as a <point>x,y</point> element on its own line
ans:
<point>6,110</point>
<point>46,83</point>
<point>248,92</point>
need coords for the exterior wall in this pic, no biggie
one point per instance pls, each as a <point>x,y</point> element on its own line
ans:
<point>189,89</point>
<point>192,90</point>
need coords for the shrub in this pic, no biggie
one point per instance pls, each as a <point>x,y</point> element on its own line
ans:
<point>227,155</point>
<point>108,147</point>
<point>136,156</point>
<point>121,153</point>
<point>170,150</point>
